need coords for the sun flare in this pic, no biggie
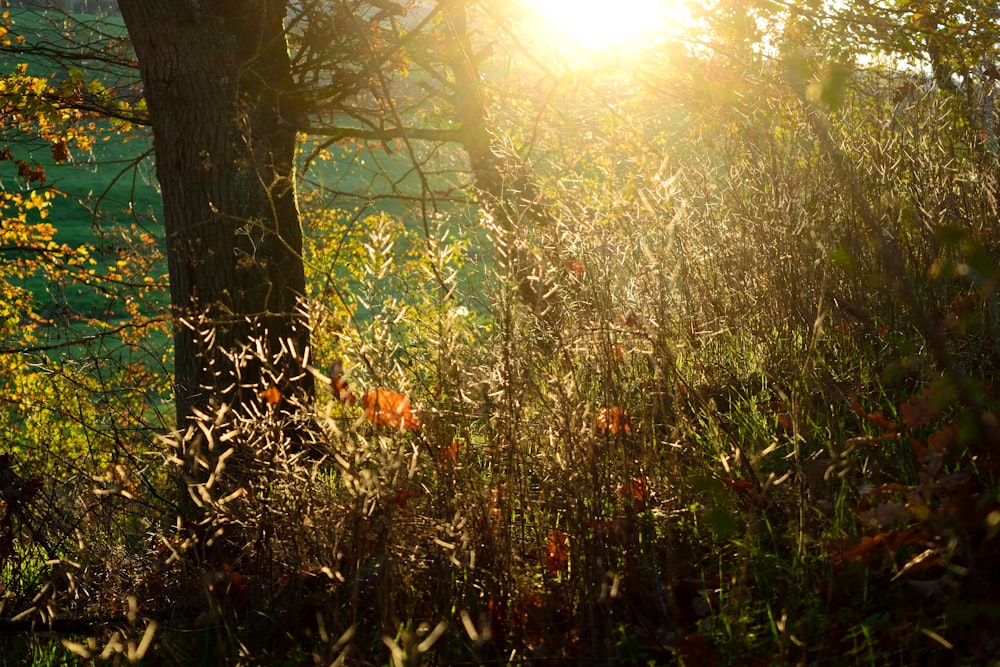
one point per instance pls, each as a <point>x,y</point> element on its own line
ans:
<point>600,24</point>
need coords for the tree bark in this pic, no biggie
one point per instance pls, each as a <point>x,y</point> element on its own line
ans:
<point>215,73</point>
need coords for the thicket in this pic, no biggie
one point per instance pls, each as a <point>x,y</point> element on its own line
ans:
<point>751,419</point>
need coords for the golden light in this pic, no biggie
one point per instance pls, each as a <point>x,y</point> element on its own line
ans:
<point>599,24</point>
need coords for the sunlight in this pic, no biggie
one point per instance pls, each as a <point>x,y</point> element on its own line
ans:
<point>594,25</point>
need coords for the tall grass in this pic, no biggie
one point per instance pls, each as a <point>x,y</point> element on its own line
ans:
<point>725,437</point>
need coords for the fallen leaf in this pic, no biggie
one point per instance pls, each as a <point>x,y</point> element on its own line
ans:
<point>741,485</point>
<point>785,423</point>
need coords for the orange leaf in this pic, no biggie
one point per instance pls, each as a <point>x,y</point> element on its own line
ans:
<point>881,421</point>
<point>876,418</point>
<point>494,508</point>
<point>634,489</point>
<point>384,407</point>
<point>924,407</point>
<point>60,151</point>
<point>271,395</point>
<point>612,420</point>
<point>884,514</point>
<point>449,454</point>
<point>785,422</point>
<point>339,385</point>
<point>557,551</point>
<point>740,485</point>
<point>870,439</point>
<point>879,545</point>
<point>941,440</point>
<point>401,496</point>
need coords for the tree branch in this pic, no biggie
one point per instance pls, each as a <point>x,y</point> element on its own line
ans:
<point>417,133</point>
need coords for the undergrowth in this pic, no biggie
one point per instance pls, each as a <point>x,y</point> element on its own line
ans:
<point>721,438</point>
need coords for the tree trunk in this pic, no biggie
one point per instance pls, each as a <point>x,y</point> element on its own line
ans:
<point>214,73</point>
<point>505,189</point>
